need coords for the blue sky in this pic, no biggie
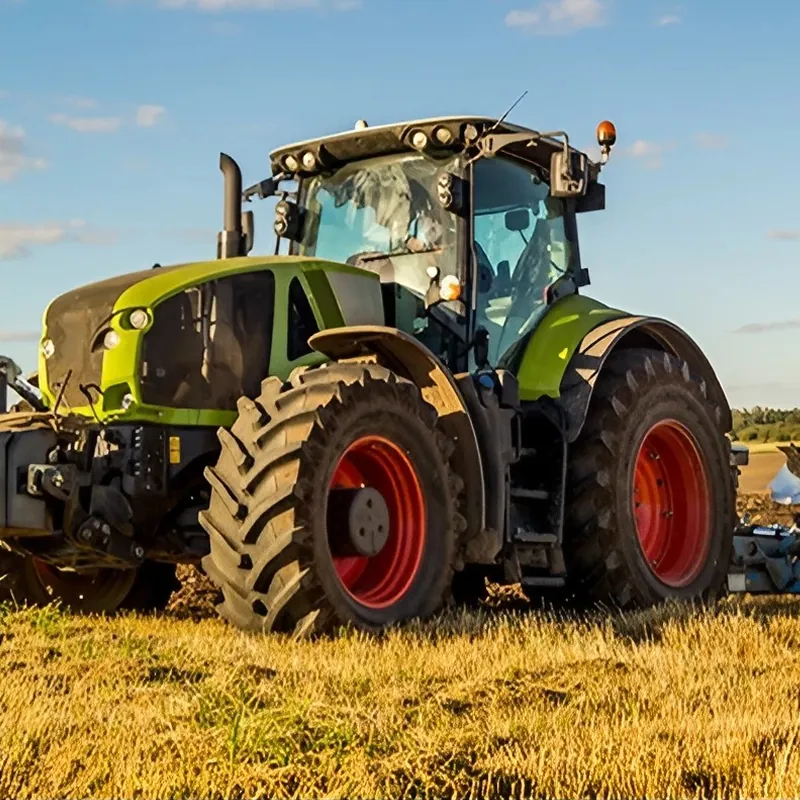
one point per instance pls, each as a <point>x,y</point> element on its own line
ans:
<point>113,113</point>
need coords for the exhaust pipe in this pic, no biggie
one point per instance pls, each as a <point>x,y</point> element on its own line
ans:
<point>230,241</point>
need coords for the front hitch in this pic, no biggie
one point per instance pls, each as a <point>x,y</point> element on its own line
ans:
<point>11,376</point>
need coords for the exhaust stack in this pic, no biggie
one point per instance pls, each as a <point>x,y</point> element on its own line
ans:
<point>230,241</point>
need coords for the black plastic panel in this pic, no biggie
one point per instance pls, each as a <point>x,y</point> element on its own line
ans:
<point>18,510</point>
<point>210,345</point>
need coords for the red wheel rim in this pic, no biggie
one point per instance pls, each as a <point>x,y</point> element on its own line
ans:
<point>671,504</point>
<point>50,576</point>
<point>383,579</point>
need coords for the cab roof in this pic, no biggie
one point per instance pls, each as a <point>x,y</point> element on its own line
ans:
<point>445,135</point>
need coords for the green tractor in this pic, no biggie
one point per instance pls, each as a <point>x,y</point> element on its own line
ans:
<point>409,400</point>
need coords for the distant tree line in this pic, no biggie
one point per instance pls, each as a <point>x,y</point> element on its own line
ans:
<point>766,424</point>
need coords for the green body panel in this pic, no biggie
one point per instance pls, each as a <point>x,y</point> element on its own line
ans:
<point>120,370</point>
<point>555,339</point>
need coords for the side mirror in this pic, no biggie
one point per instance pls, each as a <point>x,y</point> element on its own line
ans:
<point>569,174</point>
<point>518,220</point>
<point>593,200</point>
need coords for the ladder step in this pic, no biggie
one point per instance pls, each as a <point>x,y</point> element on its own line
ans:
<point>530,494</point>
<point>552,583</point>
<point>527,452</point>
<point>530,537</point>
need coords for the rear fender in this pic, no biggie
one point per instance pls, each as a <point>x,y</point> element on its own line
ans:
<point>410,359</point>
<point>580,377</point>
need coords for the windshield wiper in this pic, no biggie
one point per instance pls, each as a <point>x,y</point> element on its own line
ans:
<point>397,253</point>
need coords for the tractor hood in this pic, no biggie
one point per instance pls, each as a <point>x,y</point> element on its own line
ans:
<point>94,337</point>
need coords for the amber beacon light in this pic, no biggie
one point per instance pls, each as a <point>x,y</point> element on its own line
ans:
<point>606,138</point>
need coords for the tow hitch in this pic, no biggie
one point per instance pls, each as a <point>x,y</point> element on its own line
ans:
<point>766,557</point>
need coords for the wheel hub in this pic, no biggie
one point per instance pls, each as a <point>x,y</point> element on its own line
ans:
<point>359,522</point>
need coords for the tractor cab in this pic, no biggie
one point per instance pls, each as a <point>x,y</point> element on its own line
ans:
<point>460,218</point>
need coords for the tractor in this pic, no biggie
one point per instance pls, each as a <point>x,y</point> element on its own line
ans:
<point>408,399</point>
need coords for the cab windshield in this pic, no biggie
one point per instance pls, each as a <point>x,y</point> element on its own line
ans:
<point>382,214</point>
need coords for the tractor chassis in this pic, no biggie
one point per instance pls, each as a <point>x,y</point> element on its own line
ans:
<point>117,495</point>
<point>114,497</point>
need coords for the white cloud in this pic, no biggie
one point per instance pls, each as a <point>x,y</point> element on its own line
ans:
<point>763,327</point>
<point>784,235</point>
<point>648,152</point>
<point>668,19</point>
<point>711,141</point>
<point>18,239</point>
<point>19,336</point>
<point>87,124</point>
<point>235,5</point>
<point>148,115</point>
<point>13,156</point>
<point>559,16</point>
<point>78,101</point>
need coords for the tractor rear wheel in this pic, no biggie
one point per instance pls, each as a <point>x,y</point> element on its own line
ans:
<point>332,502</point>
<point>651,502</point>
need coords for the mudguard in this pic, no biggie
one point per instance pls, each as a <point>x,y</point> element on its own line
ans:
<point>564,356</point>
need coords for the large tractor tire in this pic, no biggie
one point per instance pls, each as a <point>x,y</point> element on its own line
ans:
<point>32,582</point>
<point>651,501</point>
<point>333,503</point>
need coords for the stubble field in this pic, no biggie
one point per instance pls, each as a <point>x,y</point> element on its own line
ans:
<point>505,702</point>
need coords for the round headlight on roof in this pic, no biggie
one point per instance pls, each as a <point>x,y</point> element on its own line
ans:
<point>138,319</point>
<point>443,135</point>
<point>419,140</point>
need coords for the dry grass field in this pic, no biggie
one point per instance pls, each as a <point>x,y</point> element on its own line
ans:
<point>506,702</point>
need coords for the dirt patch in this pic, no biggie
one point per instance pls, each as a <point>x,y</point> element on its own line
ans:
<point>197,597</point>
<point>763,511</point>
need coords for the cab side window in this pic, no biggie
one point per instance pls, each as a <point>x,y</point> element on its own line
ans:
<point>521,248</point>
<point>302,323</point>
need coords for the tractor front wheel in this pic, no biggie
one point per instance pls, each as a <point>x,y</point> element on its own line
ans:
<point>26,580</point>
<point>332,502</point>
<point>651,498</point>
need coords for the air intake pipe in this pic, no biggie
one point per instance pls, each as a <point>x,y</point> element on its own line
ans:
<point>230,241</point>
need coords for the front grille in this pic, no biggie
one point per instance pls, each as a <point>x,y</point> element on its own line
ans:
<point>70,330</point>
<point>73,320</point>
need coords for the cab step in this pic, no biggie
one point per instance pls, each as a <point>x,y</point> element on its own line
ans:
<point>522,536</point>
<point>547,583</point>
<point>529,494</point>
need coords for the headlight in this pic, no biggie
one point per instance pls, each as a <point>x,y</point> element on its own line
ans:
<point>48,348</point>
<point>110,340</point>
<point>138,319</point>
